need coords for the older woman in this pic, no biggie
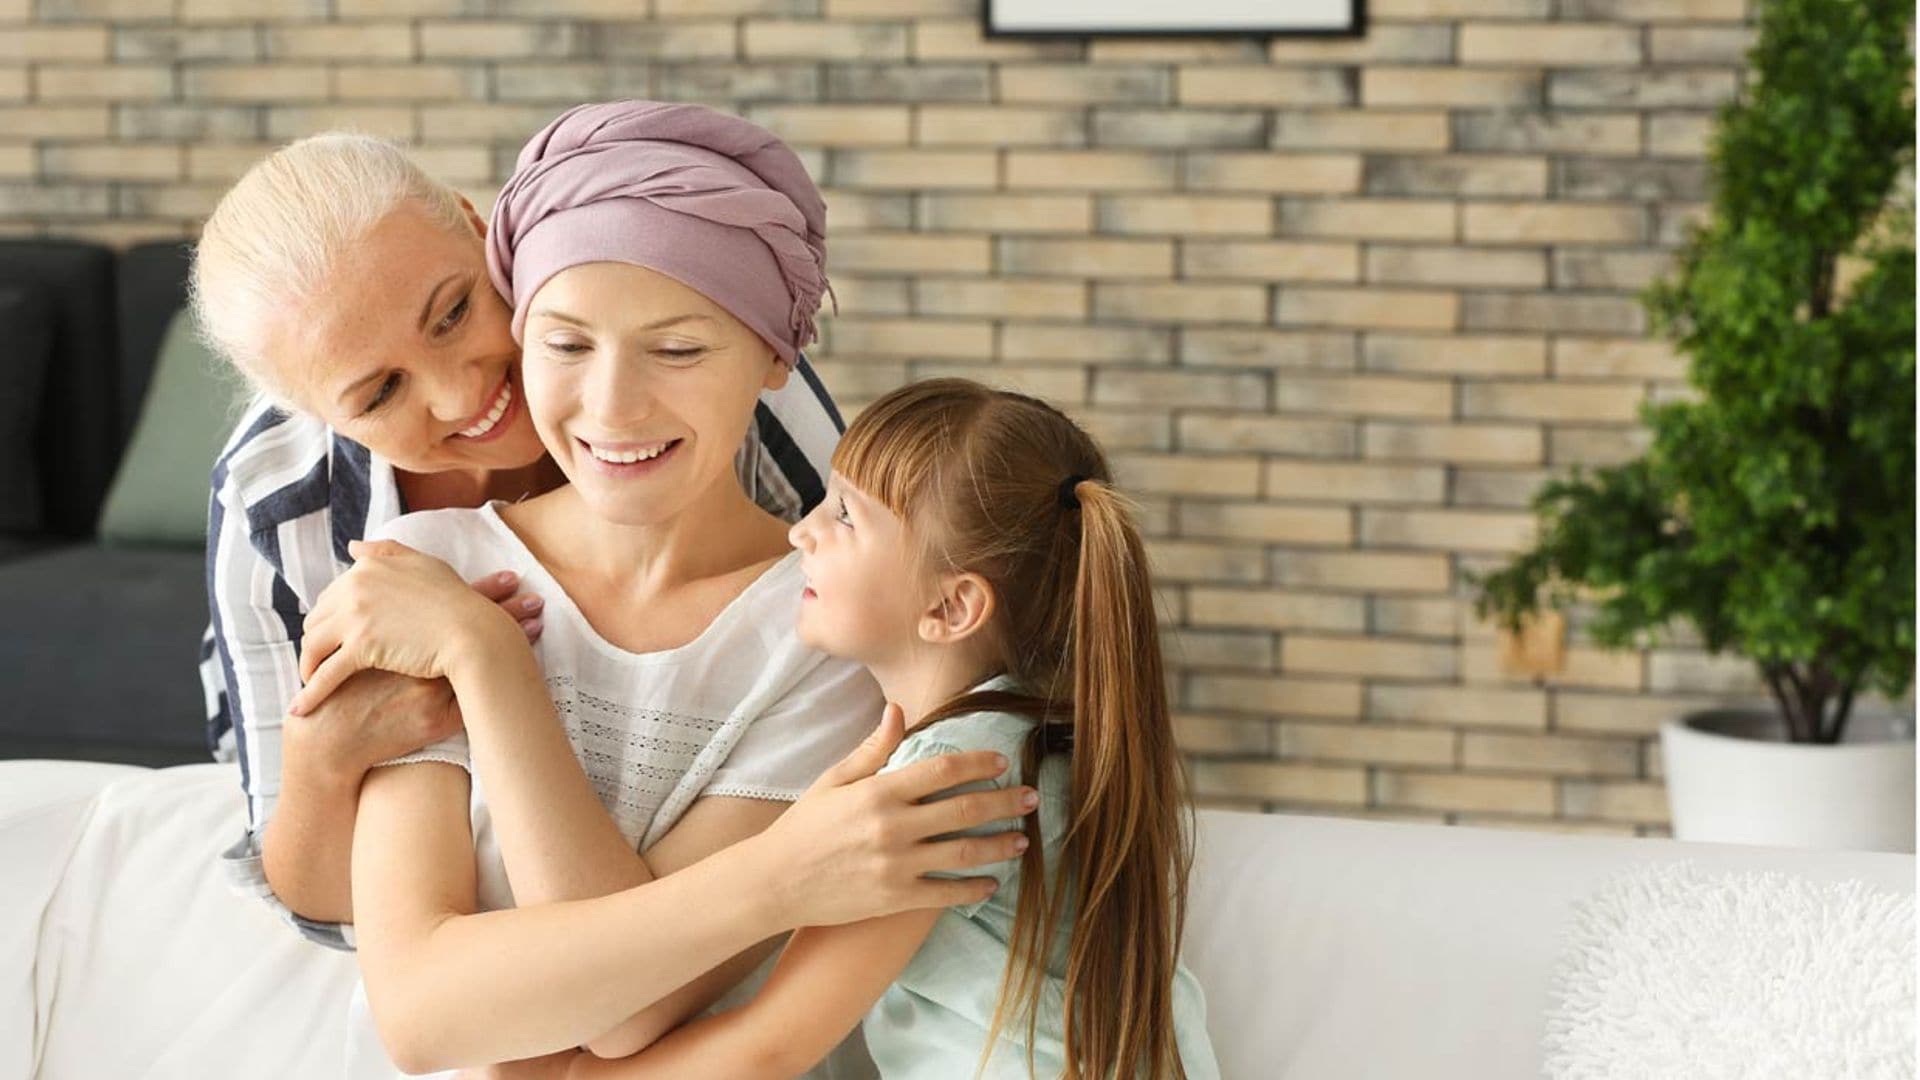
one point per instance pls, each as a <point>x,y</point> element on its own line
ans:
<point>352,291</point>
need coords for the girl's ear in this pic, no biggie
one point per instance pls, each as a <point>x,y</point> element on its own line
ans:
<point>964,605</point>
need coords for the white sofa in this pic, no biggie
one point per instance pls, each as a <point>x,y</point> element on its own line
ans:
<point>1329,949</point>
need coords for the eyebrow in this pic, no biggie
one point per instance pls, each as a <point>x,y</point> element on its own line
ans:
<point>434,298</point>
<point>550,313</point>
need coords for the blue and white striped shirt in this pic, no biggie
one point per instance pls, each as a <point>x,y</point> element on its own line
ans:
<point>289,493</point>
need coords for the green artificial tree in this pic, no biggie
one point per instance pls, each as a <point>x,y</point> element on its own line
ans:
<point>1774,507</point>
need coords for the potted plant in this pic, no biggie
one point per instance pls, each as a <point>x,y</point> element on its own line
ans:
<point>1773,510</point>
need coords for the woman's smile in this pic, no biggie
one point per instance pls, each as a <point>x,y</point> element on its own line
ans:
<point>630,459</point>
<point>501,412</point>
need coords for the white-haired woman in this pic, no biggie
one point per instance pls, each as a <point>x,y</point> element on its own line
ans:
<point>352,291</point>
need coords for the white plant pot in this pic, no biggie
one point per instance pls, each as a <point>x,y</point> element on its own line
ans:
<point>1733,778</point>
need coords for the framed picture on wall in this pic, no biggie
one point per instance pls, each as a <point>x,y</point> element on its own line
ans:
<point>1262,18</point>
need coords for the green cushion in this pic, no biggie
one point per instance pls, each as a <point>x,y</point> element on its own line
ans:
<point>159,496</point>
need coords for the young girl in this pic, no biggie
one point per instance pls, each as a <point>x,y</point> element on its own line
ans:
<point>974,555</point>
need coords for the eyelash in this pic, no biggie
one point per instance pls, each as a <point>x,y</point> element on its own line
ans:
<point>842,517</point>
<point>574,348</point>
<point>455,316</point>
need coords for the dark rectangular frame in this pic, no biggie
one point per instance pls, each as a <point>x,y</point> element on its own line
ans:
<point>1358,28</point>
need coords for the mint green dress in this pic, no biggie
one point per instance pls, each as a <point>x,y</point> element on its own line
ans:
<point>932,1023</point>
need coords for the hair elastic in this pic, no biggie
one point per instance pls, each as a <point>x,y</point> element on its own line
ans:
<point>1068,500</point>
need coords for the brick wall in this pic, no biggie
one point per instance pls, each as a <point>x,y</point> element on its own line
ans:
<point>1337,307</point>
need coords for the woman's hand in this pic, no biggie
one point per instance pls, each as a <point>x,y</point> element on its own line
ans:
<point>401,611</point>
<point>855,845</point>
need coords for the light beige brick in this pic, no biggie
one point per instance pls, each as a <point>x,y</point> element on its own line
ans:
<point>1083,85</point>
<point>1455,530</point>
<point>838,125</point>
<point>1456,175</point>
<point>1571,313</point>
<point>893,253</point>
<point>486,40</point>
<point>913,338</point>
<point>1503,486</point>
<point>1366,743</point>
<point>1278,173</point>
<point>406,9</point>
<point>416,82</point>
<point>1121,430</point>
<point>1671,672</point>
<point>1267,523</point>
<point>896,9</point>
<point>1480,443</point>
<point>991,125</point>
<point>1367,308</point>
<point>1181,389</point>
<point>1265,85</point>
<point>1091,170</point>
<point>1642,88</point>
<point>1414,616</point>
<point>115,10</point>
<point>685,41</point>
<point>960,39</point>
<point>1459,9</point>
<point>248,83</point>
<point>1543,44</point>
<point>1619,358</point>
<point>1185,128</point>
<point>1428,44</point>
<point>1360,129</point>
<point>111,161</point>
<point>1272,780</point>
<point>1369,219</point>
<point>781,39</point>
<point>1180,303</point>
<point>1590,268</point>
<point>874,296</point>
<point>1184,215</point>
<point>1547,223</point>
<point>851,211</point>
<point>1173,474</point>
<point>1270,260</point>
<point>1371,657</point>
<point>491,121</point>
<point>1189,649</point>
<point>1587,668</point>
<point>57,43</point>
<point>1456,354</point>
<point>1454,87</point>
<point>58,202</point>
<point>1597,445</point>
<point>287,122</point>
<point>169,200</point>
<point>1192,561</point>
<point>1015,297</point>
<point>933,169</point>
<point>1563,756</point>
<point>1550,401</point>
<point>14,85</point>
<point>1681,135</point>
<point>1119,345</point>
<point>1355,482</point>
<point>1656,10</point>
<point>1701,44</point>
<point>1337,699</point>
<point>340,41</point>
<point>1198,733</point>
<point>713,9</point>
<point>1543,132</point>
<point>1043,257</point>
<point>1295,435</point>
<point>1365,395</point>
<point>1369,571</point>
<point>250,10</point>
<point>1629,714</point>
<point>18,161</point>
<point>1171,50</point>
<point>1007,213</point>
<point>1458,706</point>
<point>1275,609</point>
<point>563,82</point>
<point>895,84</point>
<point>1063,386</point>
<point>102,82</point>
<point>1311,350</point>
<point>1399,265</point>
<point>1615,800</point>
<point>1461,791</point>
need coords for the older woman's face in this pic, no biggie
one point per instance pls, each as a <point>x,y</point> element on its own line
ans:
<point>640,387</point>
<point>407,351</point>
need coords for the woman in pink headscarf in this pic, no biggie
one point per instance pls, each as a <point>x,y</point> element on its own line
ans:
<point>664,263</point>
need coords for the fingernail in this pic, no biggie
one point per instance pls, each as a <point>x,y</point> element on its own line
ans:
<point>531,603</point>
<point>1019,843</point>
<point>504,577</point>
<point>1000,760</point>
<point>533,626</point>
<point>1030,799</point>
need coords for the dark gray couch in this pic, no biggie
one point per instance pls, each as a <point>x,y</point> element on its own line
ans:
<point>99,645</point>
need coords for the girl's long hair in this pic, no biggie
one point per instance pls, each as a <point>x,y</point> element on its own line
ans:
<point>977,475</point>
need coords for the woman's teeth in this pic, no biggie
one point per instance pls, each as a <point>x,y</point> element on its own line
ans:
<point>628,457</point>
<point>493,415</point>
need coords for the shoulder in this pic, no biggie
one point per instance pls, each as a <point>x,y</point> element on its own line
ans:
<point>464,537</point>
<point>270,450</point>
<point>1005,733</point>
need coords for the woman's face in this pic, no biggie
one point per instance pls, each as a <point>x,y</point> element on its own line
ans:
<point>640,387</point>
<point>407,351</point>
<point>867,584</point>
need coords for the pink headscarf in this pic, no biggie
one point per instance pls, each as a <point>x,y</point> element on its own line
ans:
<point>713,201</point>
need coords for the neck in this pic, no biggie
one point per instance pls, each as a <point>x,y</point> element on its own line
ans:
<point>928,677</point>
<point>472,487</point>
<point>719,531</point>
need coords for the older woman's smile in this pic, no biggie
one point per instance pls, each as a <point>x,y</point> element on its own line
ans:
<point>488,424</point>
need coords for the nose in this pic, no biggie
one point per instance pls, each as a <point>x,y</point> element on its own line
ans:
<point>616,395</point>
<point>801,534</point>
<point>459,392</point>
